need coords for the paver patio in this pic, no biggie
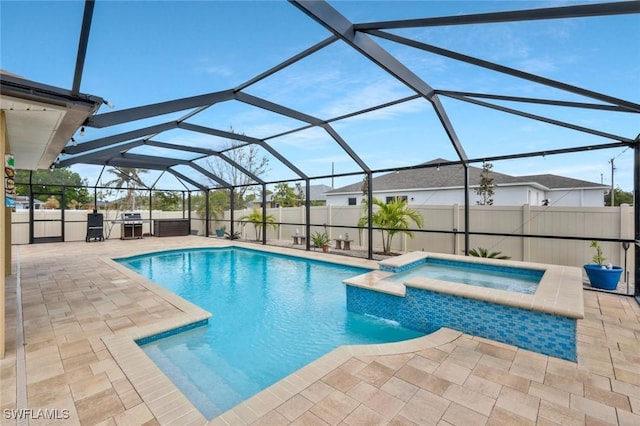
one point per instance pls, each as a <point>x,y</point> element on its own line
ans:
<point>74,356</point>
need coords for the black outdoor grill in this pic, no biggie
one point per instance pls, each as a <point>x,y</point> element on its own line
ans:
<point>131,226</point>
<point>95,222</point>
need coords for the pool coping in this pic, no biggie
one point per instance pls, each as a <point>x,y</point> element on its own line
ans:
<point>170,406</point>
<point>559,291</point>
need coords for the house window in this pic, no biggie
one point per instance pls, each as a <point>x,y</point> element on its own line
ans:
<point>352,201</point>
<point>397,197</point>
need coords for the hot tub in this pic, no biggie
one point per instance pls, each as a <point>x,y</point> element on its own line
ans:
<point>544,321</point>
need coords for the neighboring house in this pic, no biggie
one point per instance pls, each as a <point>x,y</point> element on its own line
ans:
<point>444,185</point>
<point>318,196</point>
<point>23,202</point>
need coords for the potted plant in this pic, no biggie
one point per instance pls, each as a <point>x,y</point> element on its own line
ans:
<point>235,236</point>
<point>601,275</point>
<point>320,240</point>
<point>220,231</point>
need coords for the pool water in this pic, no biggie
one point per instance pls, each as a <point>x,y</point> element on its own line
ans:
<point>502,278</point>
<point>271,315</point>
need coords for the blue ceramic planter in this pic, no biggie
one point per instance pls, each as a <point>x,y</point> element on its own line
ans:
<point>606,279</point>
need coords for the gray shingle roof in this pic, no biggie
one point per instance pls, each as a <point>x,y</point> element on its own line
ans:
<point>561,182</point>
<point>452,176</point>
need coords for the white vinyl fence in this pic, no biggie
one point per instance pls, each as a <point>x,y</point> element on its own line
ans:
<point>597,222</point>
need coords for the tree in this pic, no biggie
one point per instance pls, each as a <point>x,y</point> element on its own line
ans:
<point>619,197</point>
<point>486,188</point>
<point>284,195</point>
<point>245,155</point>
<point>76,194</point>
<point>52,203</point>
<point>393,217</point>
<point>129,178</point>
<point>300,197</point>
<point>218,203</point>
<point>365,189</point>
<point>256,218</point>
<point>166,201</point>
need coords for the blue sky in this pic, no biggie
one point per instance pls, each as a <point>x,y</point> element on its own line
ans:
<point>152,51</point>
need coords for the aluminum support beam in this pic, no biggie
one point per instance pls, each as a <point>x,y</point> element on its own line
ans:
<point>636,215</point>
<point>316,47</point>
<point>208,174</point>
<point>370,215</point>
<point>506,70</point>
<point>349,115</point>
<point>307,213</point>
<point>579,11</point>
<point>145,161</point>
<point>545,119</point>
<point>340,26</point>
<point>208,152</point>
<point>244,138</point>
<point>264,214</point>
<point>138,181</point>
<point>215,132</point>
<point>161,108</point>
<point>448,127</point>
<point>553,102</point>
<point>466,210</point>
<point>187,179</point>
<point>355,157</point>
<point>82,45</point>
<point>278,109</point>
<point>120,137</point>
<point>282,159</point>
<point>103,154</point>
<point>332,20</point>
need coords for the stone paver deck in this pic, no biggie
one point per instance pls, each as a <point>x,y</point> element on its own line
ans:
<point>73,355</point>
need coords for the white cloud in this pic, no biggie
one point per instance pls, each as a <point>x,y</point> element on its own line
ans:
<point>371,94</point>
<point>538,65</point>
<point>219,70</point>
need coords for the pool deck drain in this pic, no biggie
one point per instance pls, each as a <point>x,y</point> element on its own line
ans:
<point>81,313</point>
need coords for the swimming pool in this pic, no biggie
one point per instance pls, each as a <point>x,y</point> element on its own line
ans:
<point>271,315</point>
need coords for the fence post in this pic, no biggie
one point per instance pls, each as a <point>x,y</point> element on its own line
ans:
<point>526,227</point>
<point>456,226</point>
<point>626,232</point>
<point>279,236</point>
<point>328,220</point>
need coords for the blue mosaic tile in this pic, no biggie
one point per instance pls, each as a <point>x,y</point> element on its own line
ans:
<point>403,267</point>
<point>426,311</point>
<point>173,331</point>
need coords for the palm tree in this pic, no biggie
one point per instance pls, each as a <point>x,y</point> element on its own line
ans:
<point>393,217</point>
<point>256,218</point>
<point>128,177</point>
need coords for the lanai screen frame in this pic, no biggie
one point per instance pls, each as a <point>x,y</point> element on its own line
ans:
<point>113,150</point>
